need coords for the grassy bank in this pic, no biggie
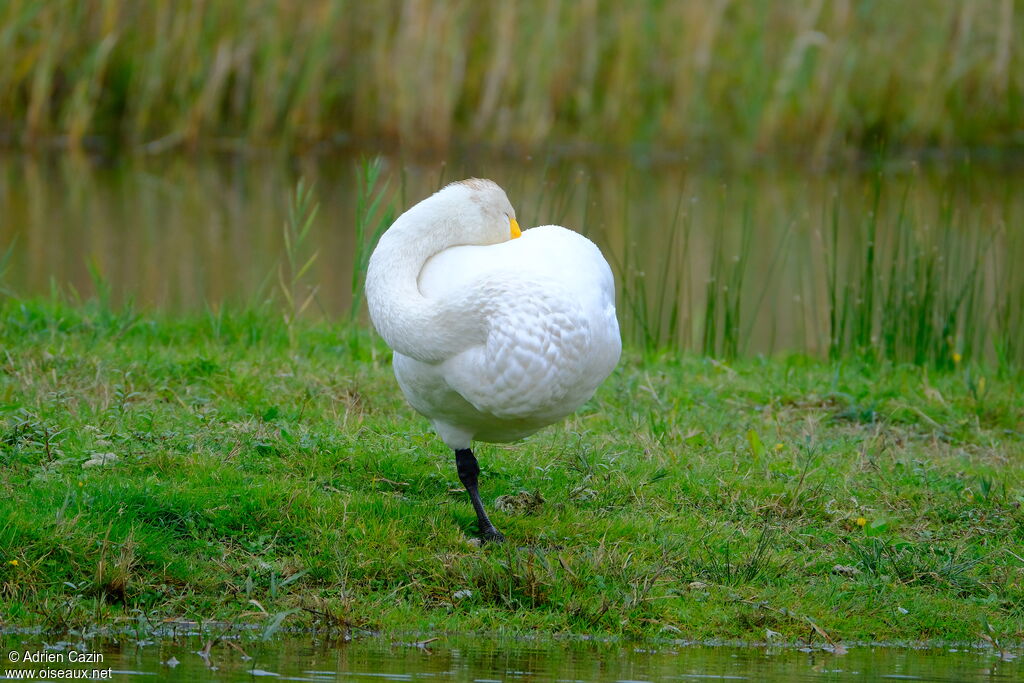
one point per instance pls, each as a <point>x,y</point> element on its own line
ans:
<point>729,77</point>
<point>255,479</point>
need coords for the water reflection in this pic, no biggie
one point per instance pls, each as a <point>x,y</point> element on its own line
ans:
<point>483,660</point>
<point>181,233</point>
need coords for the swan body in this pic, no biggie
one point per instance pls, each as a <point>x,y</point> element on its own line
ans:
<point>495,335</point>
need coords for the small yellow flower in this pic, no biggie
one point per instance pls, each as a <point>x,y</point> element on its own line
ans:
<point>13,563</point>
<point>957,358</point>
<point>779,446</point>
<point>861,521</point>
<point>79,483</point>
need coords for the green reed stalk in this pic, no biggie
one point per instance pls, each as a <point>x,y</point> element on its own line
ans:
<point>302,210</point>
<point>835,327</point>
<point>894,311</point>
<point>5,263</point>
<point>865,306</point>
<point>1008,342</point>
<point>633,282</point>
<point>1008,313</point>
<point>712,299</point>
<point>776,263</point>
<point>734,293</point>
<point>669,284</point>
<point>374,214</point>
<point>723,300</point>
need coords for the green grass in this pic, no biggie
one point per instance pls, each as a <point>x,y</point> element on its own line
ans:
<point>691,498</point>
<point>793,78</point>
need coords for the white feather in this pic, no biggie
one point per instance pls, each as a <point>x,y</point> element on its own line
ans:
<point>501,339</point>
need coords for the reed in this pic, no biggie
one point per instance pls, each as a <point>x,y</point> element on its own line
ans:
<point>931,286</point>
<point>919,295</point>
<point>374,214</point>
<point>1008,341</point>
<point>734,79</point>
<point>766,265</point>
<point>297,259</point>
<point>898,284</point>
<point>5,262</point>
<point>723,309</point>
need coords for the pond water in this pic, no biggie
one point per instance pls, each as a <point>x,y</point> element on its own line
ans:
<point>485,660</point>
<point>763,254</point>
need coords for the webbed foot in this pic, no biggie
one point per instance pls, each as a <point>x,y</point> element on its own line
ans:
<point>492,535</point>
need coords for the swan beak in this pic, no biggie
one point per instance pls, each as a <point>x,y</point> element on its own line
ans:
<point>514,224</point>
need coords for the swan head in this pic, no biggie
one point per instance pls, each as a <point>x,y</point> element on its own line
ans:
<point>472,212</point>
<point>478,212</point>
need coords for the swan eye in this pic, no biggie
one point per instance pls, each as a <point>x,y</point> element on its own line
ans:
<point>514,226</point>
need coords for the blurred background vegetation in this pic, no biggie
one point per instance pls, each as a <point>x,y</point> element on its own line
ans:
<point>800,78</point>
<point>686,138</point>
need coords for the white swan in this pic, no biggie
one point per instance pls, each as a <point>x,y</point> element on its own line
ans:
<point>494,337</point>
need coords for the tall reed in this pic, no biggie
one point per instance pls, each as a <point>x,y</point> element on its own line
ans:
<point>723,310</point>
<point>374,214</point>
<point>915,292</point>
<point>5,262</point>
<point>298,259</point>
<point>727,77</point>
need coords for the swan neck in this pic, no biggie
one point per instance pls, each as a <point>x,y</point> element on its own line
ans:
<point>428,330</point>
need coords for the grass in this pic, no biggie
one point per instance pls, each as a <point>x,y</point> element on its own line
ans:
<point>801,78</point>
<point>691,498</point>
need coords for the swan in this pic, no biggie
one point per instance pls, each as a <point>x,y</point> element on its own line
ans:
<point>496,332</point>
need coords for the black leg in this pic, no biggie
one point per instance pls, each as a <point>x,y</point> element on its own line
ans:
<point>468,468</point>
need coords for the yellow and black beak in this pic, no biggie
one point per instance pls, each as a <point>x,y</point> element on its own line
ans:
<point>514,227</point>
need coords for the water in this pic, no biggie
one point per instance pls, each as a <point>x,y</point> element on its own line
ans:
<point>244,658</point>
<point>184,233</point>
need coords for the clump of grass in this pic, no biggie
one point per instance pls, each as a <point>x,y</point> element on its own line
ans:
<point>726,565</point>
<point>918,565</point>
<point>115,570</point>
